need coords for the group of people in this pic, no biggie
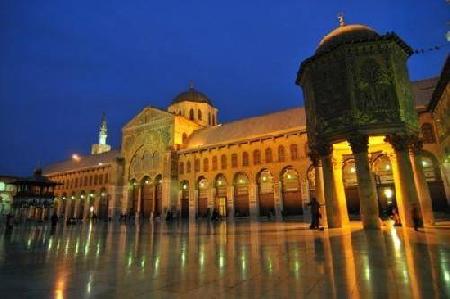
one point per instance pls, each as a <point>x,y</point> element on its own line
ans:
<point>215,216</point>
<point>394,216</point>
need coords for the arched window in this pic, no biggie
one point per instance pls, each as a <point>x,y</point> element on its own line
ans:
<point>199,114</point>
<point>181,170</point>
<point>428,133</point>
<point>214,163</point>
<point>268,154</point>
<point>191,114</point>
<point>294,151</point>
<point>213,121</point>
<point>281,154</point>
<point>256,157</point>
<point>209,118</point>
<point>223,162</point>
<point>188,166</point>
<point>234,160</point>
<point>205,165</point>
<point>185,138</point>
<point>244,159</point>
<point>197,165</point>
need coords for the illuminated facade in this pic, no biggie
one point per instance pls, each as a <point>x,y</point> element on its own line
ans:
<point>360,106</point>
<point>89,184</point>
<point>182,160</point>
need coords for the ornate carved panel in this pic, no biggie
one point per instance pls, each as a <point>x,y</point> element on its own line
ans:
<point>146,140</point>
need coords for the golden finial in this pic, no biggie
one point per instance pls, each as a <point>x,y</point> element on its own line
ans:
<point>340,17</point>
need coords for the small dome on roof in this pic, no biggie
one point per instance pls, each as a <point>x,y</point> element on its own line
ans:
<point>192,95</point>
<point>344,34</point>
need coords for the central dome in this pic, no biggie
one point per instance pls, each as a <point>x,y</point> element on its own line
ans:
<point>192,95</point>
<point>346,34</point>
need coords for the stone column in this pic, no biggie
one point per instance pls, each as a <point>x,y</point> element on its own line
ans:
<point>192,203</point>
<point>178,206</point>
<point>253,198</point>
<point>230,202</point>
<point>367,189</point>
<point>166,196</point>
<point>276,198</point>
<point>318,186</point>
<point>405,176</point>
<point>445,174</point>
<point>423,191</point>
<point>334,216</point>
<point>124,203</point>
<point>212,199</point>
<point>339,187</point>
<point>137,212</point>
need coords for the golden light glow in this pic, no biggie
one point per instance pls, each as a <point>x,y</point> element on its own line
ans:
<point>373,141</point>
<point>388,193</point>
<point>76,157</point>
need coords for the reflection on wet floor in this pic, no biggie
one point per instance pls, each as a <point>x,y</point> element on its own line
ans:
<point>247,259</point>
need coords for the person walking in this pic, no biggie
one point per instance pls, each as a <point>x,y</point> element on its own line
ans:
<point>54,220</point>
<point>416,217</point>
<point>315,214</point>
<point>9,223</point>
<point>395,217</point>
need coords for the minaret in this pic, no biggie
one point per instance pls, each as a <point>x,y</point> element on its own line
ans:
<point>101,147</point>
<point>103,133</point>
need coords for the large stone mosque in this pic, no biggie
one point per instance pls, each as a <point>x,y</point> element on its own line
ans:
<point>367,140</point>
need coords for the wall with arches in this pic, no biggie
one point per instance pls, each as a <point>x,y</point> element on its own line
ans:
<point>245,159</point>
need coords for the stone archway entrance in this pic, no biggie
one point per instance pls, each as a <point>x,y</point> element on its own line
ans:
<point>103,205</point>
<point>292,199</point>
<point>63,206</point>
<point>221,195</point>
<point>158,196</point>
<point>266,193</point>
<point>241,195</point>
<point>147,196</point>
<point>184,199</point>
<point>434,181</point>
<point>350,186</point>
<point>382,169</point>
<point>81,206</point>
<point>202,207</point>
<point>133,196</point>
<point>71,207</point>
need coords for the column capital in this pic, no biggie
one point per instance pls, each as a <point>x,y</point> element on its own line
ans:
<point>315,158</point>
<point>417,146</point>
<point>359,143</point>
<point>400,142</point>
<point>323,149</point>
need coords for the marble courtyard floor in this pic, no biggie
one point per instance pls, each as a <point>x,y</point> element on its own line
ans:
<point>223,260</point>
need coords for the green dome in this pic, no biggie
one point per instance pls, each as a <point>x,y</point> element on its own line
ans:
<point>345,34</point>
<point>192,95</point>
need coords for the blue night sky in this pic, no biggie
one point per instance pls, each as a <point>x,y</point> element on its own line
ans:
<point>62,63</point>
